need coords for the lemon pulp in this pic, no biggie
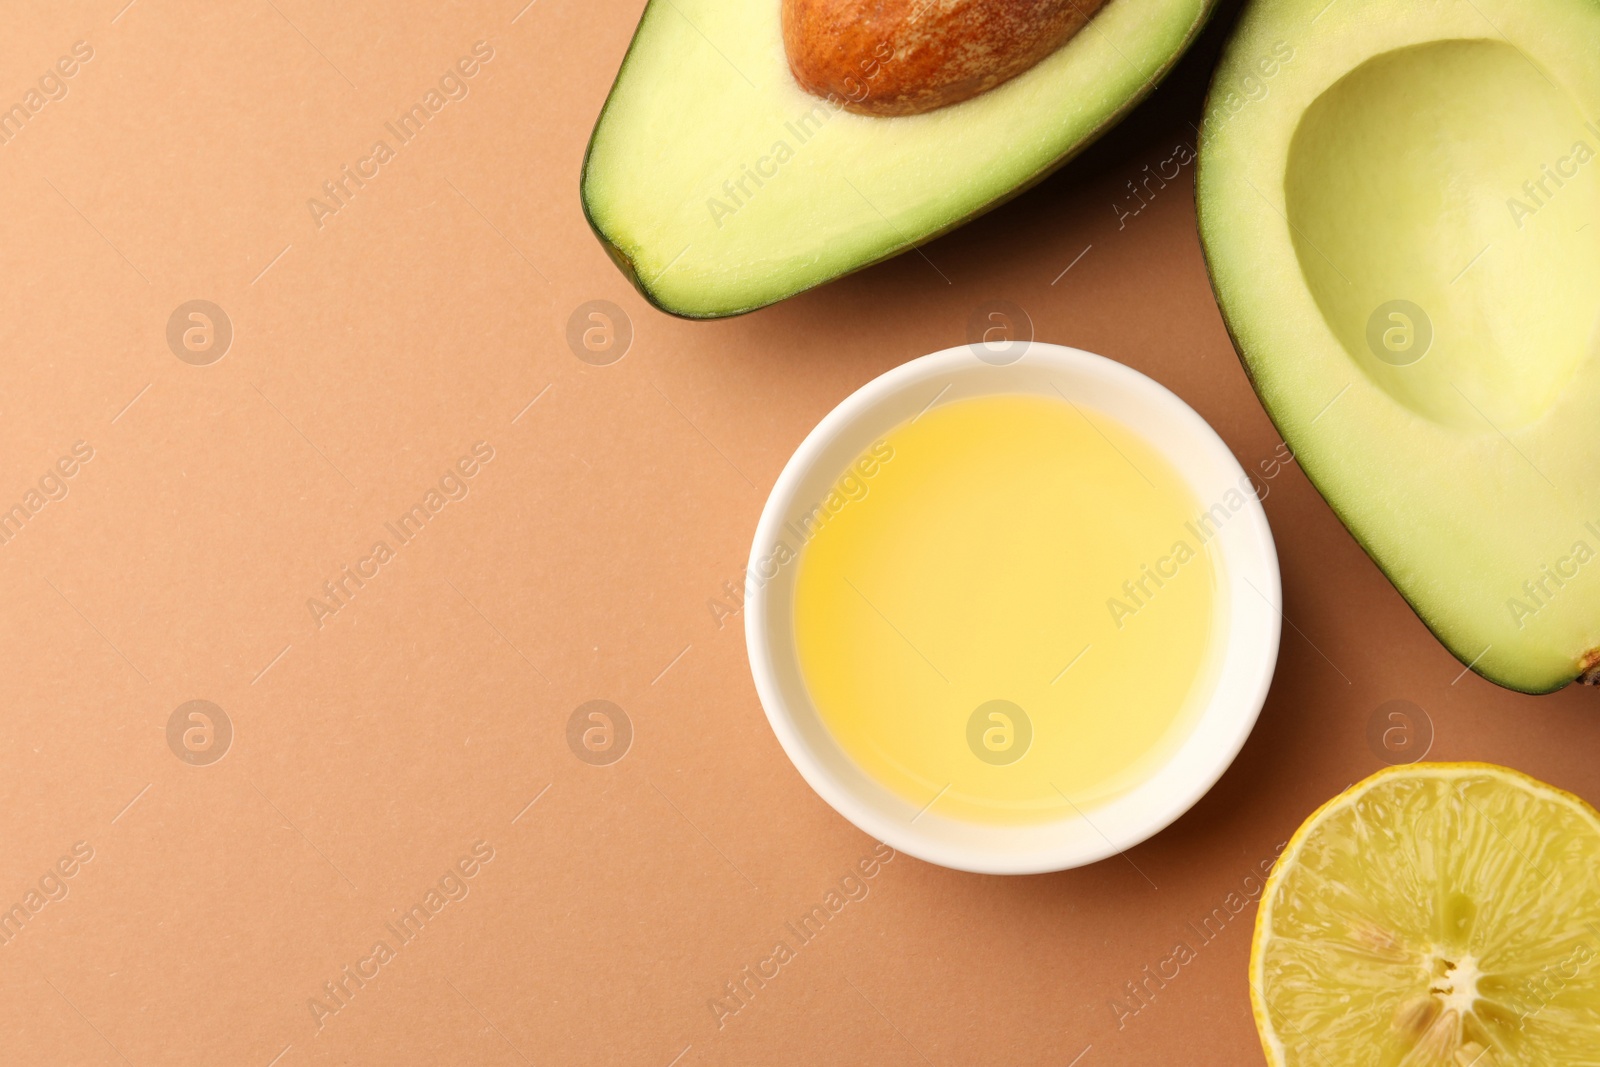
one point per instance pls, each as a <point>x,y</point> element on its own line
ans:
<point>1006,611</point>
<point>1440,914</point>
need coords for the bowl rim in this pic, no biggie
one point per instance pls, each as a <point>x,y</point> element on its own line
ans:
<point>1245,698</point>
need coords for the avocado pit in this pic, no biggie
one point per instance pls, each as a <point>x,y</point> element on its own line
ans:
<point>906,57</point>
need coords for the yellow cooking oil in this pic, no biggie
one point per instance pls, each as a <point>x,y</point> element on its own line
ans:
<point>1005,611</point>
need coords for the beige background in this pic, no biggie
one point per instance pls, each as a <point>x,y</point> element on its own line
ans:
<point>372,752</point>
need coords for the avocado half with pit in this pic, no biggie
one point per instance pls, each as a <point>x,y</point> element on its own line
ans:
<point>719,184</point>
<point>1403,232</point>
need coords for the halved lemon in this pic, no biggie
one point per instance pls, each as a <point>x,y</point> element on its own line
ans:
<point>1434,915</point>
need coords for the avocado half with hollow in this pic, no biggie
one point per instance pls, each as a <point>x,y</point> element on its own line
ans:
<point>1403,232</point>
<point>719,185</point>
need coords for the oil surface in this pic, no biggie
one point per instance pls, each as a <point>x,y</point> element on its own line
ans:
<point>1007,609</point>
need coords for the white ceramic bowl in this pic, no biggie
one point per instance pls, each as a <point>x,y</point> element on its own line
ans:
<point>1248,615</point>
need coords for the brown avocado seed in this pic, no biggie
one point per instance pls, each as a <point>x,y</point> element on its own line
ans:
<point>904,57</point>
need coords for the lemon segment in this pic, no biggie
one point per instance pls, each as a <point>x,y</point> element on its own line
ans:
<point>1434,915</point>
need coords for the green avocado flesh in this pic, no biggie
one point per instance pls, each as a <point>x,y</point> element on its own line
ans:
<point>720,186</point>
<point>1403,231</point>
